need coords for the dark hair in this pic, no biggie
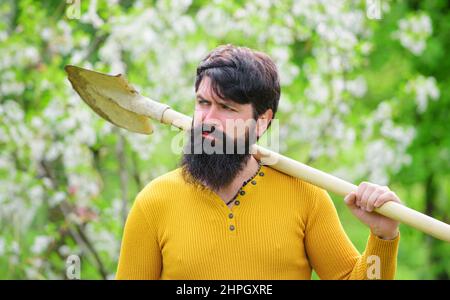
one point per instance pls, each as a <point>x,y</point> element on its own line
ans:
<point>242,75</point>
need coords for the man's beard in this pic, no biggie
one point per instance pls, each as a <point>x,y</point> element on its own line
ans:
<point>215,170</point>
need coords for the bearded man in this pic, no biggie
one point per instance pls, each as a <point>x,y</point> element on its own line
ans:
<point>224,215</point>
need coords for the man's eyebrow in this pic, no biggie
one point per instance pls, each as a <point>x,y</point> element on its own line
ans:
<point>220,101</point>
<point>200,97</point>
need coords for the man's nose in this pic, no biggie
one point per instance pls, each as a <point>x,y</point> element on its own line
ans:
<point>212,118</point>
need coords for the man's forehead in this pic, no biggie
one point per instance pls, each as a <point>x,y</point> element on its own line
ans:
<point>205,91</point>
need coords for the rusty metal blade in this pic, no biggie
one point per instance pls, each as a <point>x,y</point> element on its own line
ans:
<point>97,90</point>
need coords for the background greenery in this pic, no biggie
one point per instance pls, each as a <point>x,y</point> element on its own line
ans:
<point>362,98</point>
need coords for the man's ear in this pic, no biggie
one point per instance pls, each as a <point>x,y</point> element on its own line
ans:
<point>263,122</point>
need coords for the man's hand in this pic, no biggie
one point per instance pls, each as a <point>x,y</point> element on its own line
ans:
<point>362,203</point>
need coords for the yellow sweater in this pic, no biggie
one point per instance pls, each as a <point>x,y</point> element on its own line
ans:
<point>280,228</point>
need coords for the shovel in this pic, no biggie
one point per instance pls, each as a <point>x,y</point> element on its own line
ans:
<point>115,100</point>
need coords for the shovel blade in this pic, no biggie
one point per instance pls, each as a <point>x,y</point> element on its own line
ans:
<point>98,90</point>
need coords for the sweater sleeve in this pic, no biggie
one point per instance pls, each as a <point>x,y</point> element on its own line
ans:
<point>140,255</point>
<point>333,256</point>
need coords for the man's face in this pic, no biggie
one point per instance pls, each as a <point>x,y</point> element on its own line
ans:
<point>227,116</point>
<point>229,128</point>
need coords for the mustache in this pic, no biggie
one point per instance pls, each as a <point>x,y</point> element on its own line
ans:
<point>209,139</point>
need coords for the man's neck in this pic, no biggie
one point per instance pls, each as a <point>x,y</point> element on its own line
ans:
<point>228,192</point>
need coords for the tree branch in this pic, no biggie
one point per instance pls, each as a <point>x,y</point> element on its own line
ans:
<point>78,235</point>
<point>123,174</point>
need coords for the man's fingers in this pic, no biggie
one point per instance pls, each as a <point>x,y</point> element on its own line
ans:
<point>350,199</point>
<point>360,191</point>
<point>369,196</point>
<point>372,198</point>
<point>385,197</point>
<point>365,195</point>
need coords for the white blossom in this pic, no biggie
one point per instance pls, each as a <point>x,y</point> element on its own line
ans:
<point>2,246</point>
<point>425,89</point>
<point>413,31</point>
<point>64,250</point>
<point>357,87</point>
<point>91,16</point>
<point>13,111</point>
<point>41,243</point>
<point>317,90</point>
<point>56,199</point>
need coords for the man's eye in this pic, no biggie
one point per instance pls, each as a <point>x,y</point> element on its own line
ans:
<point>227,107</point>
<point>203,102</point>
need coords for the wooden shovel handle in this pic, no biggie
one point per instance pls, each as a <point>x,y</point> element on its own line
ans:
<point>341,187</point>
